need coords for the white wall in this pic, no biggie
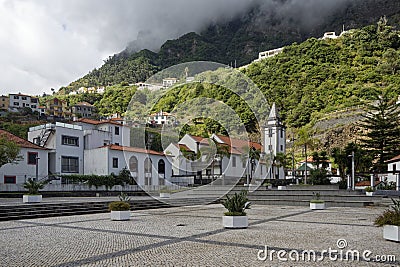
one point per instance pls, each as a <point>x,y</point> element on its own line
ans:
<point>22,170</point>
<point>391,176</point>
<point>96,161</point>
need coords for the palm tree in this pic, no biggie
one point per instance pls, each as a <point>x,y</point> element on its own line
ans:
<point>34,186</point>
<point>304,139</point>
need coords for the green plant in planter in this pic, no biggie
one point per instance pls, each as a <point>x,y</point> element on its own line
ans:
<point>316,198</point>
<point>369,189</point>
<point>119,206</point>
<point>34,186</point>
<point>236,204</point>
<point>390,216</point>
<point>165,189</point>
<point>123,197</point>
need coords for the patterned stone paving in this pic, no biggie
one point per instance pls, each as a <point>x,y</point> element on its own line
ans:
<point>194,236</point>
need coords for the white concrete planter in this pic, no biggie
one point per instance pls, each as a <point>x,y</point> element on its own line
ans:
<point>370,194</point>
<point>269,186</point>
<point>391,232</point>
<point>120,215</point>
<point>31,198</point>
<point>281,187</point>
<point>165,195</point>
<point>235,221</point>
<point>317,206</point>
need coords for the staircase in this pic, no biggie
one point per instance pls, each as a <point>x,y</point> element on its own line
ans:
<point>40,210</point>
<point>292,196</point>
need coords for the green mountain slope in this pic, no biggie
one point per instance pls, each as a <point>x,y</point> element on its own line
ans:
<point>239,40</point>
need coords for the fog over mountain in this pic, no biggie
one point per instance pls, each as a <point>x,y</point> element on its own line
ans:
<point>48,44</point>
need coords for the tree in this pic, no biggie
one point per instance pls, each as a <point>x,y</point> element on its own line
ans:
<point>382,125</point>
<point>305,139</point>
<point>9,152</point>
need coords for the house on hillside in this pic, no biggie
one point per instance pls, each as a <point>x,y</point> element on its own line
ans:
<point>33,157</point>
<point>83,110</point>
<point>394,170</point>
<point>57,108</point>
<point>20,101</point>
<point>4,103</point>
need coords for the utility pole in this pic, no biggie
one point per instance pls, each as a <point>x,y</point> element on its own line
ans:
<point>353,185</point>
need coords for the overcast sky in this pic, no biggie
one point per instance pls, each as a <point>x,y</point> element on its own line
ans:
<point>49,43</point>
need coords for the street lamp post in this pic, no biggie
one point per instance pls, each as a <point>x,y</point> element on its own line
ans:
<point>37,168</point>
<point>353,185</point>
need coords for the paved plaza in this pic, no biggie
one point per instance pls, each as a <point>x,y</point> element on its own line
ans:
<point>193,236</point>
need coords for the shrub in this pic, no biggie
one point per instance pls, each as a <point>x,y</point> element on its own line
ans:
<point>236,204</point>
<point>390,216</point>
<point>369,189</point>
<point>316,198</point>
<point>119,206</point>
<point>34,186</point>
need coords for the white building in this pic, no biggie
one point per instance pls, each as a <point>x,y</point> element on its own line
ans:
<point>187,168</point>
<point>275,139</point>
<point>26,167</point>
<point>18,101</point>
<point>65,142</point>
<point>101,148</point>
<point>161,117</point>
<point>269,53</point>
<point>168,82</point>
<point>393,169</point>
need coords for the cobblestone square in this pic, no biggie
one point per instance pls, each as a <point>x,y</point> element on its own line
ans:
<point>194,236</point>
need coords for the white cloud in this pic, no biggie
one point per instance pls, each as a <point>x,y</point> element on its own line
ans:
<point>50,43</point>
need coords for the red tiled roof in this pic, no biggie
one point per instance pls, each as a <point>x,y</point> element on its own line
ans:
<point>366,183</point>
<point>238,145</point>
<point>310,159</point>
<point>134,149</point>
<point>19,141</point>
<point>397,158</point>
<point>200,139</point>
<point>95,122</point>
<point>185,147</point>
<point>83,104</point>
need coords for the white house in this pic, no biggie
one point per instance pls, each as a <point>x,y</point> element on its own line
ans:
<point>393,169</point>
<point>187,168</point>
<point>168,82</point>
<point>161,117</point>
<point>146,166</point>
<point>33,157</point>
<point>18,101</point>
<point>65,142</point>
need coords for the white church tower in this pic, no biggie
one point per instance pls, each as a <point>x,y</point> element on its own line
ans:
<point>274,141</point>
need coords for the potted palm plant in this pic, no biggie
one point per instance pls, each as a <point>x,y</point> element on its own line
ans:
<point>390,220</point>
<point>236,205</point>
<point>369,191</point>
<point>33,187</point>
<point>120,210</point>
<point>316,203</point>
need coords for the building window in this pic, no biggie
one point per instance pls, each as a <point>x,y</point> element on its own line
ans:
<point>24,98</point>
<point>32,158</point>
<point>281,147</point>
<point>70,140</point>
<point>33,100</point>
<point>8,179</point>
<point>270,132</point>
<point>16,103</point>
<point>394,168</point>
<point>115,163</point>
<point>281,133</point>
<point>233,161</point>
<point>116,130</point>
<point>133,164</point>
<point>117,144</point>
<point>16,97</point>
<point>33,106</point>
<point>69,164</point>
<point>270,147</point>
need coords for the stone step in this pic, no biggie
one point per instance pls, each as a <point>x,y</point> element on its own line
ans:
<point>28,211</point>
